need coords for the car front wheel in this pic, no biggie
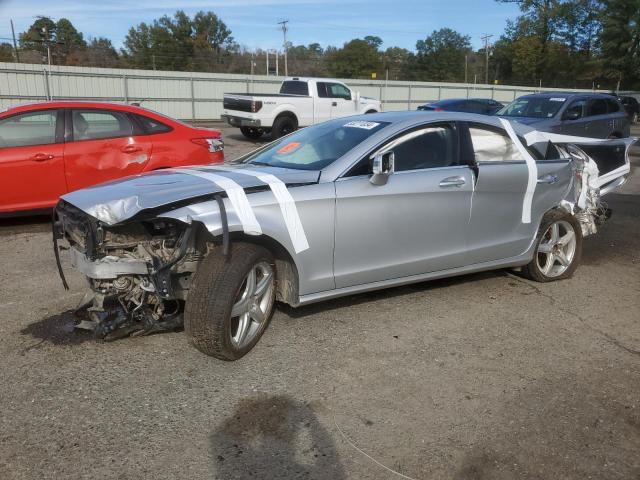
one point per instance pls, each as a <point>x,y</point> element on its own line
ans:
<point>231,301</point>
<point>558,248</point>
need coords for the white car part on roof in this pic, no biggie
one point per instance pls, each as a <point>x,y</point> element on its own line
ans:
<point>286,202</point>
<point>237,197</point>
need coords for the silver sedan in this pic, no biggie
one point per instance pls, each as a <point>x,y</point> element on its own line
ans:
<point>347,206</point>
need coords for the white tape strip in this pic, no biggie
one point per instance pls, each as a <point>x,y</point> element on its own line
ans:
<point>286,202</point>
<point>531,167</point>
<point>237,197</point>
<point>538,137</point>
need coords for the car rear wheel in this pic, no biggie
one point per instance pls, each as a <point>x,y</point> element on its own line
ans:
<point>251,133</point>
<point>283,126</point>
<point>558,248</point>
<point>231,301</point>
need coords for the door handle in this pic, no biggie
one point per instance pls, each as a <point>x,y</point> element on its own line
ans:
<point>452,182</point>
<point>334,104</point>
<point>42,157</point>
<point>131,149</point>
<point>550,179</point>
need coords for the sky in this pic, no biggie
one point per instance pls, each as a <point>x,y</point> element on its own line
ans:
<point>254,22</point>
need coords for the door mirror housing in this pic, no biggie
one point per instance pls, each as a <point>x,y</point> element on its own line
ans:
<point>383,166</point>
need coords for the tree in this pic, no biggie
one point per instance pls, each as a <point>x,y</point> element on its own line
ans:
<point>67,40</point>
<point>356,59</point>
<point>621,41</point>
<point>440,57</point>
<point>179,42</point>
<point>6,53</point>
<point>40,35</point>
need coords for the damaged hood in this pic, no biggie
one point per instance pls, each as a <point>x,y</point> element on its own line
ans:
<point>117,201</point>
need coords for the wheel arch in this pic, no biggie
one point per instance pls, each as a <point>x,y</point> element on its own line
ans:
<point>287,279</point>
<point>287,113</point>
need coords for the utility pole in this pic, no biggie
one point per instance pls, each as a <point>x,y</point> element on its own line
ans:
<point>284,33</point>
<point>466,62</point>
<point>486,53</point>
<point>15,45</point>
<point>153,61</point>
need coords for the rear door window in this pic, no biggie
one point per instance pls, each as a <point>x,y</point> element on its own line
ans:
<point>492,145</point>
<point>612,106</point>
<point>152,126</point>
<point>27,129</point>
<point>597,106</point>
<point>100,124</point>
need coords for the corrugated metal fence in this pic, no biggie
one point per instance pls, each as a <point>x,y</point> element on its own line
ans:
<point>198,96</point>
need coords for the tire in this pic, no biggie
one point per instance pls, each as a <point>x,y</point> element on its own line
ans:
<point>219,286</point>
<point>549,266</point>
<point>283,125</point>
<point>251,133</point>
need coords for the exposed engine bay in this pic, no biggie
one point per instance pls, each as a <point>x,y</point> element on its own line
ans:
<point>139,272</point>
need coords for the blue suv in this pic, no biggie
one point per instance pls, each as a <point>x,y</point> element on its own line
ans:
<point>594,115</point>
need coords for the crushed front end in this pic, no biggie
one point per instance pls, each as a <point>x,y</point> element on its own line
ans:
<point>139,272</point>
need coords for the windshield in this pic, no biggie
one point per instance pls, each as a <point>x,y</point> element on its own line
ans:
<point>534,107</point>
<point>313,148</point>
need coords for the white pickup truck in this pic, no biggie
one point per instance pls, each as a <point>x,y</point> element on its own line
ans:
<point>300,103</point>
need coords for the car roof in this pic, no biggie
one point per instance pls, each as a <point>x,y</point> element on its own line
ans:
<point>28,106</point>
<point>565,94</point>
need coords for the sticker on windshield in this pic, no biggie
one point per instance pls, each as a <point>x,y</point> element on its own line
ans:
<point>557,99</point>
<point>362,124</point>
<point>288,148</point>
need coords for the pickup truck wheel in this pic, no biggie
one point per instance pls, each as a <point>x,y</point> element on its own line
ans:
<point>558,248</point>
<point>231,301</point>
<point>251,132</point>
<point>283,126</point>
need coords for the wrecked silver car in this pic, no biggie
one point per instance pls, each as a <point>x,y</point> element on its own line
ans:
<point>347,206</point>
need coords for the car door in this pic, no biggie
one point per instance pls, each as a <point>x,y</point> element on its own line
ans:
<point>497,229</point>
<point>103,145</point>
<point>31,160</point>
<point>572,121</point>
<point>416,222</point>
<point>322,103</point>
<point>597,122</point>
<point>342,104</point>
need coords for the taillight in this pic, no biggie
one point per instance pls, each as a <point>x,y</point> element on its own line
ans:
<point>211,144</point>
<point>438,109</point>
<point>256,105</point>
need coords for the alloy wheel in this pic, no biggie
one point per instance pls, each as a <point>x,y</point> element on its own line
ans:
<point>253,305</point>
<point>556,249</point>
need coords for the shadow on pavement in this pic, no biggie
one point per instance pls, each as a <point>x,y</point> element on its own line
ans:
<point>273,437</point>
<point>58,329</point>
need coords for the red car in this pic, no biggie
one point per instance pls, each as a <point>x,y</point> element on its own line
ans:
<point>51,148</point>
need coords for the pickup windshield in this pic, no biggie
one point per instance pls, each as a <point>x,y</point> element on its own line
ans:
<point>535,107</point>
<point>313,148</point>
<point>294,87</point>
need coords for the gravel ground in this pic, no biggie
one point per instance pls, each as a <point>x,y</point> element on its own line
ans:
<point>486,376</point>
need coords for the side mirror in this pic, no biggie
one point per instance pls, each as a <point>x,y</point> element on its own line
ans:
<point>571,115</point>
<point>383,166</point>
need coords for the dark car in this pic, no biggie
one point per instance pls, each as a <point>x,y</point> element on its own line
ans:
<point>632,108</point>
<point>596,115</point>
<point>485,106</point>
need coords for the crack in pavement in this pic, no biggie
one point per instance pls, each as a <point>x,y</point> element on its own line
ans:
<point>611,339</point>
